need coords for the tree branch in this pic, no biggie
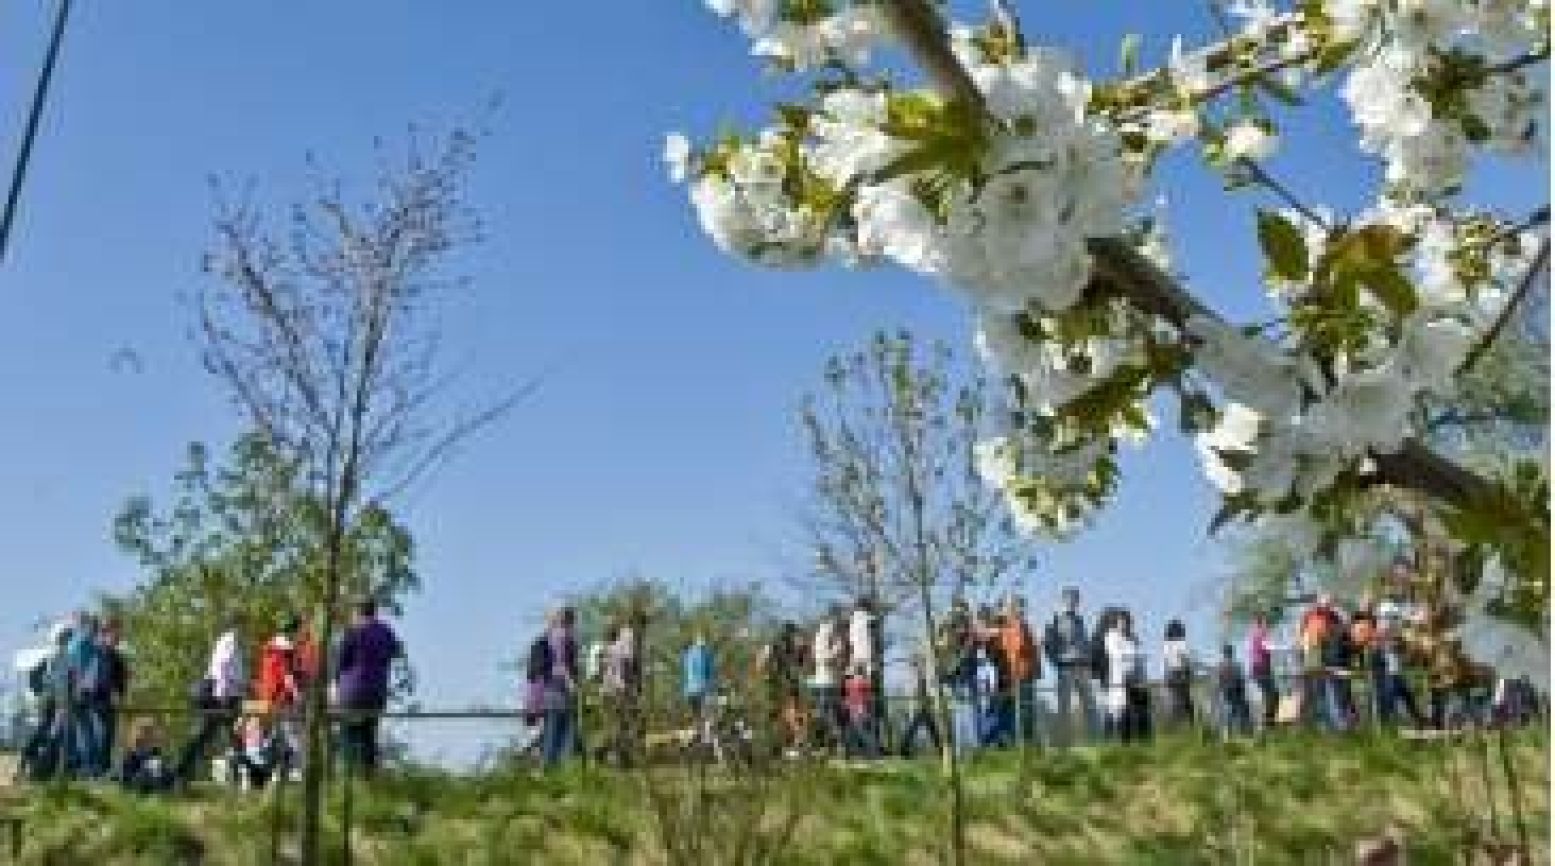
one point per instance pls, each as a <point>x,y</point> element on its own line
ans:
<point>1530,278</point>
<point>1123,271</point>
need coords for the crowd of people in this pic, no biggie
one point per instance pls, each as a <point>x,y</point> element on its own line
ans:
<point>982,681</point>
<point>822,687</point>
<point>253,724</point>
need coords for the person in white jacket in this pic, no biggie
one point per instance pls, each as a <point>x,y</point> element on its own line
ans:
<point>1128,696</point>
<point>218,698</point>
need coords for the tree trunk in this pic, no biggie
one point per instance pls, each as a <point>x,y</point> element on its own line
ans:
<point>316,755</point>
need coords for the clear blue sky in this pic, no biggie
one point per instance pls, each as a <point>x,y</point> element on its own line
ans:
<point>662,439</point>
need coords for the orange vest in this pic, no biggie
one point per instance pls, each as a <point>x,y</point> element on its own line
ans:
<point>1019,650</point>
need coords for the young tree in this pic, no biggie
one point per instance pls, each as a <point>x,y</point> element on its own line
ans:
<point>897,420</point>
<point>241,539</point>
<point>1015,179</point>
<point>899,514</point>
<point>325,334</point>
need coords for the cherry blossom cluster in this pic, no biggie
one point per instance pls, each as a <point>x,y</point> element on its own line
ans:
<point>999,200</point>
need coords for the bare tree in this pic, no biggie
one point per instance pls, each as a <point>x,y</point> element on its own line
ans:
<point>324,332</point>
<point>899,512</point>
<point>894,418</point>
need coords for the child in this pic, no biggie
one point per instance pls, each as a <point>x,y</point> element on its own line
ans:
<point>144,769</point>
<point>1236,716</point>
<point>254,760</point>
<point>858,700</point>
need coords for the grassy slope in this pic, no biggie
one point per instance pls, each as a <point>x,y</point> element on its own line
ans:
<point>1291,800</point>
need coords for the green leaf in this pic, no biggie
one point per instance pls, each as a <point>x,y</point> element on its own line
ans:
<point>1283,246</point>
<point>1391,288</point>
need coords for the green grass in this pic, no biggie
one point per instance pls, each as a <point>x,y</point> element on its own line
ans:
<point>1292,800</point>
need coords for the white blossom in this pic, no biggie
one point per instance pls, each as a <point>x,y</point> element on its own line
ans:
<point>677,156</point>
<point>1250,370</point>
<point>1432,349</point>
<point>1250,140</point>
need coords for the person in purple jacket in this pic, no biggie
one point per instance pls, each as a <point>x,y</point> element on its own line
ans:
<point>366,654</point>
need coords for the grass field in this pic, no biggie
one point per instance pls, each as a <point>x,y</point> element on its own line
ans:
<point>1294,799</point>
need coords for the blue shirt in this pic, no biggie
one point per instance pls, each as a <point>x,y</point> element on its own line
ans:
<point>85,659</point>
<point>698,665</point>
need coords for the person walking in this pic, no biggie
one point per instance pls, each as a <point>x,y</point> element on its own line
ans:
<point>1177,671</point>
<point>44,755</point>
<point>1067,650</point>
<point>1321,632</point>
<point>367,654</point>
<point>280,688</point>
<point>1397,697</point>
<point>87,677</point>
<point>1022,664</point>
<point>1260,655</point>
<point>1128,695</point>
<point>108,697</point>
<point>780,667</point>
<point>218,698</point>
<point>697,674</point>
<point>557,688</point>
<point>861,737</point>
<point>1235,716</point>
<point>829,653</point>
<point>921,716</point>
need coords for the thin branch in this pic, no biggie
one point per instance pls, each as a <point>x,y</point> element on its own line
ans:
<point>1262,176</point>
<point>1530,278</point>
<point>1126,273</point>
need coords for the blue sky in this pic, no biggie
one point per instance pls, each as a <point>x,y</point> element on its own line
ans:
<point>662,439</point>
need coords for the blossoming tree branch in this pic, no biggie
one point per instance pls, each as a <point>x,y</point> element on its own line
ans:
<point>1011,177</point>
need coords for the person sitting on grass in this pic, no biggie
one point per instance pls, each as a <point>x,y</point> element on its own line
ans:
<point>144,768</point>
<point>254,757</point>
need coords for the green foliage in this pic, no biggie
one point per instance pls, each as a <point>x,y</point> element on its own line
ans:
<point>1283,246</point>
<point>735,620</point>
<point>1284,800</point>
<point>241,540</point>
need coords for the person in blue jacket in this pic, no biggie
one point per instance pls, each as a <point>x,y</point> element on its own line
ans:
<point>697,678</point>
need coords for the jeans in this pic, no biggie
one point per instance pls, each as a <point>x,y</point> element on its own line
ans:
<point>557,736</point>
<point>1395,695</point>
<point>1269,694</point>
<point>1338,702</point>
<point>86,738</point>
<point>1181,696</point>
<point>216,720</point>
<point>860,739</point>
<point>828,716</point>
<point>998,724</point>
<point>1026,711</point>
<point>108,730</point>
<point>1075,679</point>
<point>359,735</point>
<point>1134,722</point>
<point>922,719</point>
<point>1235,716</point>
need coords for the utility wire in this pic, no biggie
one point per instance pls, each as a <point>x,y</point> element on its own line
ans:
<point>30,134</point>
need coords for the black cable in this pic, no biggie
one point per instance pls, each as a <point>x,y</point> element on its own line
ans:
<point>34,116</point>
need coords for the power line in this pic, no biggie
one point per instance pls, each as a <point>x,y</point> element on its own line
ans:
<point>30,134</point>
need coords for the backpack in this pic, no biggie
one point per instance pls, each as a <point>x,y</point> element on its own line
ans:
<point>540,662</point>
<point>38,678</point>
